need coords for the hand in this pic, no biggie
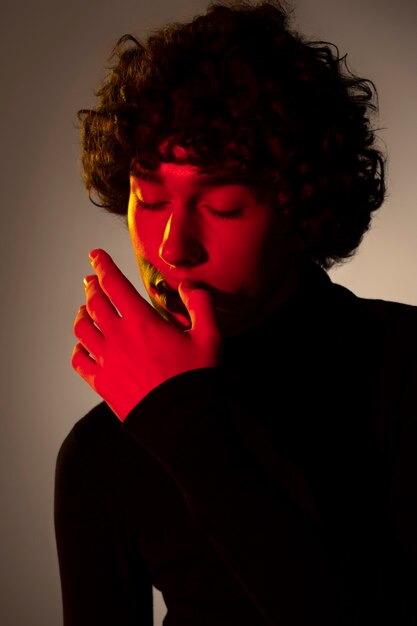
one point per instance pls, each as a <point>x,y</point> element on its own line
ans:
<point>126,348</point>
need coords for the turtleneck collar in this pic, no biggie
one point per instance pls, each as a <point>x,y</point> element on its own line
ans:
<point>310,296</point>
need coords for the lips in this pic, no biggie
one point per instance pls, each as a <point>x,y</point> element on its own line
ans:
<point>162,287</point>
<point>170,298</point>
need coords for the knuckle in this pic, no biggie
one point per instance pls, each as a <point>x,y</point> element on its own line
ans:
<point>75,357</point>
<point>99,387</point>
<point>92,297</point>
<point>106,280</point>
<point>80,326</point>
<point>93,309</point>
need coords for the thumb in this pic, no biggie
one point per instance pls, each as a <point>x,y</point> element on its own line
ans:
<point>199,305</point>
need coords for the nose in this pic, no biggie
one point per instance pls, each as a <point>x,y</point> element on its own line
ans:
<point>181,244</point>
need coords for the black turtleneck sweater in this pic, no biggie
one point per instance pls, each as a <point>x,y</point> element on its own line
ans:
<point>278,490</point>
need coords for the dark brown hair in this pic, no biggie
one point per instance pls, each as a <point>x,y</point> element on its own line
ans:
<point>241,89</point>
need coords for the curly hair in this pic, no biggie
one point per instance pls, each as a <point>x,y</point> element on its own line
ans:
<point>240,89</point>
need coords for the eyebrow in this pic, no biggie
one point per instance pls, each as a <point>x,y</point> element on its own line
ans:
<point>210,180</point>
<point>137,172</point>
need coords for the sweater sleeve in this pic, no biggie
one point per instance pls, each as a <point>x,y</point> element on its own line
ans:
<point>104,581</point>
<point>271,543</point>
<point>403,500</point>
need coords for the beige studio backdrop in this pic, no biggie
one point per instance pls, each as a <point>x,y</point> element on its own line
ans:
<point>53,57</point>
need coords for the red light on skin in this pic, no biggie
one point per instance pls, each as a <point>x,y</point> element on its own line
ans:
<point>215,259</point>
<point>219,234</point>
<point>124,356</point>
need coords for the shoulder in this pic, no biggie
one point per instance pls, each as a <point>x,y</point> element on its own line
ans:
<point>94,441</point>
<point>381,338</point>
<point>390,321</point>
<point>338,306</point>
<point>96,426</point>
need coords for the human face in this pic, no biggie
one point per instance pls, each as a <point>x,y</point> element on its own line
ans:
<point>219,235</point>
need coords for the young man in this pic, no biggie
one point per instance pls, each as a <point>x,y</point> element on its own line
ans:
<point>254,452</point>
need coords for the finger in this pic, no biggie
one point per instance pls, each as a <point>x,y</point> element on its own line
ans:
<point>100,309</point>
<point>200,308</point>
<point>83,364</point>
<point>114,283</point>
<point>88,334</point>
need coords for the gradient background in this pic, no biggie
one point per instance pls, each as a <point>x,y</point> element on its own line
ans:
<point>54,56</point>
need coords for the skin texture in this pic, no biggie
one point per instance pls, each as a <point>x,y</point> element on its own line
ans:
<point>215,260</point>
<point>127,356</point>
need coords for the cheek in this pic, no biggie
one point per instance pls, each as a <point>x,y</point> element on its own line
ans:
<point>239,254</point>
<point>254,257</point>
<point>145,235</point>
<point>132,224</point>
<point>137,241</point>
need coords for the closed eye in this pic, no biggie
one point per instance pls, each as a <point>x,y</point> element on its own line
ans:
<point>146,205</point>
<point>226,214</point>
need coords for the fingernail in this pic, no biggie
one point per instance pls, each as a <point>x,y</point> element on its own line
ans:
<point>93,254</point>
<point>88,279</point>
